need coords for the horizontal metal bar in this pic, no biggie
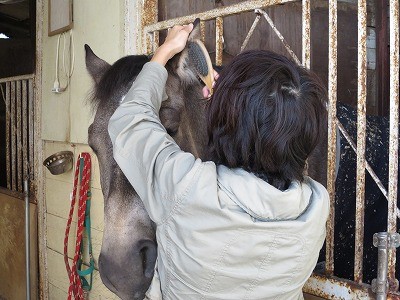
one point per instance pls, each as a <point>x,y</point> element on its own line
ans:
<point>16,78</point>
<point>336,288</point>
<point>222,11</point>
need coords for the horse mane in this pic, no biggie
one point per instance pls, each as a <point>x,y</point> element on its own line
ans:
<point>117,80</point>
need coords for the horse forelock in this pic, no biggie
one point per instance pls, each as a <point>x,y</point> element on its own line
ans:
<point>117,80</point>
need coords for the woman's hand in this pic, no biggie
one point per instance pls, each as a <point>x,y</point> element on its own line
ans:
<point>206,91</point>
<point>174,43</point>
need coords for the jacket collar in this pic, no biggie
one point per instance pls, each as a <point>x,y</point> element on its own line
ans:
<point>261,200</point>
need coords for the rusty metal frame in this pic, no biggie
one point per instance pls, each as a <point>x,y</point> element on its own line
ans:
<point>19,130</point>
<point>394,134</point>
<point>326,286</point>
<point>361,139</point>
<point>332,95</point>
<point>280,36</point>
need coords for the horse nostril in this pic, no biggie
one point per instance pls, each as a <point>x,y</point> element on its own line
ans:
<point>148,253</point>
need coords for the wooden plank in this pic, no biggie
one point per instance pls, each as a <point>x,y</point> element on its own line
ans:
<point>18,101</point>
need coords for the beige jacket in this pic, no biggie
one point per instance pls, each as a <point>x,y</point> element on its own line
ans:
<point>222,233</point>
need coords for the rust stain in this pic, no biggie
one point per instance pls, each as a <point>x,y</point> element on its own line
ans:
<point>306,16</point>
<point>252,28</point>
<point>219,40</point>
<point>222,11</point>
<point>202,31</point>
<point>361,139</point>
<point>357,288</point>
<point>332,95</point>
<point>149,15</point>
<point>393,134</point>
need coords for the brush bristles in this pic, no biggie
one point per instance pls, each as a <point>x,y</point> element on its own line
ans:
<point>197,58</point>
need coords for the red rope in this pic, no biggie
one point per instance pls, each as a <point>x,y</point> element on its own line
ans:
<point>75,286</point>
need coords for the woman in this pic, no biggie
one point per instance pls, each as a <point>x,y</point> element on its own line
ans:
<point>250,224</point>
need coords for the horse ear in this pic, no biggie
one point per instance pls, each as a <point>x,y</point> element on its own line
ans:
<point>195,34</point>
<point>185,69</point>
<point>95,65</point>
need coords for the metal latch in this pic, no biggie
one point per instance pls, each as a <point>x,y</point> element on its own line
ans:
<point>383,241</point>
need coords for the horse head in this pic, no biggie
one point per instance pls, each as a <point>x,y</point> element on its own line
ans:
<point>129,249</point>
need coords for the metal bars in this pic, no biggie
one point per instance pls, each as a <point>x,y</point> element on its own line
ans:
<point>306,32</point>
<point>325,286</point>
<point>222,11</point>
<point>361,141</point>
<point>219,40</point>
<point>332,95</point>
<point>250,33</point>
<point>394,132</point>
<point>19,148</point>
<point>280,36</point>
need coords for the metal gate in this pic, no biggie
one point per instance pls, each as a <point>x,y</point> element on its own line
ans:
<point>327,285</point>
<point>18,95</point>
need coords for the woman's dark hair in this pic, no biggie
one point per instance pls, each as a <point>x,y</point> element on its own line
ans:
<point>266,116</point>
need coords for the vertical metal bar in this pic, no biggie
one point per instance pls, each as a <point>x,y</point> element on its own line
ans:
<point>394,133</point>
<point>18,137</point>
<point>306,33</point>
<point>203,31</point>
<point>156,40</point>
<point>8,132</point>
<point>219,40</point>
<point>25,113</point>
<point>12,139</point>
<point>27,240</point>
<point>31,124</point>
<point>149,15</point>
<point>332,94</point>
<point>250,33</point>
<point>361,126</point>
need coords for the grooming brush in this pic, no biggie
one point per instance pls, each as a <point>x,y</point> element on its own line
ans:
<point>200,60</point>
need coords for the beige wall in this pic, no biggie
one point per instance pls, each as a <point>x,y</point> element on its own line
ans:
<point>65,120</point>
<point>100,24</point>
<point>57,191</point>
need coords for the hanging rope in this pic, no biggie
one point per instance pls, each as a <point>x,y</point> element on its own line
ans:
<point>83,167</point>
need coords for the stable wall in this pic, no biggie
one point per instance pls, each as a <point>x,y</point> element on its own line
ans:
<point>65,120</point>
<point>12,250</point>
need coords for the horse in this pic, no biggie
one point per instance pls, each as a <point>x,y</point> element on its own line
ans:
<point>129,250</point>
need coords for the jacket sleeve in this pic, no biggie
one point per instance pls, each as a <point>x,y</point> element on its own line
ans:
<point>153,163</point>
